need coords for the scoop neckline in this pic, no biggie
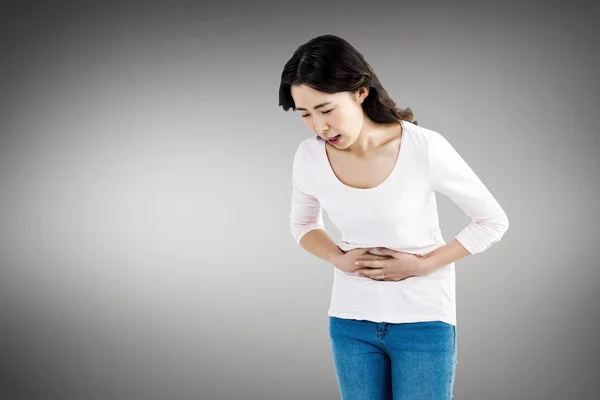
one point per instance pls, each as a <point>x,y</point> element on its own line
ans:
<point>374,188</point>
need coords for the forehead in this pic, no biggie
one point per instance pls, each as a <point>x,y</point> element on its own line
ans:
<point>307,97</point>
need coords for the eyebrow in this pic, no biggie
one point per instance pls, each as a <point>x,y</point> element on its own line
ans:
<point>315,107</point>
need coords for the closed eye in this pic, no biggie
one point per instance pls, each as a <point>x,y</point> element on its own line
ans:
<point>324,112</point>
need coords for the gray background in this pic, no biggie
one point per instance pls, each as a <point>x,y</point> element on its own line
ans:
<point>145,182</point>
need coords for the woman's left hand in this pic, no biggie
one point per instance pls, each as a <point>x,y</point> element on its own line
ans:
<point>400,266</point>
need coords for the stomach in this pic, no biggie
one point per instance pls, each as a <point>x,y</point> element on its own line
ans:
<point>445,271</point>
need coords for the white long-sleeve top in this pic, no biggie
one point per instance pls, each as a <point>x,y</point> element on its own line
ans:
<point>400,214</point>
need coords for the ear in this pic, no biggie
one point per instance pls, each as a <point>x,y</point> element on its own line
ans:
<point>363,92</point>
<point>360,95</point>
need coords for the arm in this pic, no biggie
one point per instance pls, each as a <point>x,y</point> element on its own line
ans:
<point>306,222</point>
<point>318,243</point>
<point>442,256</point>
<point>452,176</point>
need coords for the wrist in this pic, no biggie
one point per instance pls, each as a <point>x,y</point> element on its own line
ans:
<point>333,258</point>
<point>426,266</point>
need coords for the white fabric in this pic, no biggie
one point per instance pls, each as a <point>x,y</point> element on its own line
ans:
<point>400,214</point>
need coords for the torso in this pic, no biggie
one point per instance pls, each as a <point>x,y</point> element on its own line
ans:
<point>369,171</point>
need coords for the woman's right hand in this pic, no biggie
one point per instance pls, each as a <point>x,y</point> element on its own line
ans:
<point>346,261</point>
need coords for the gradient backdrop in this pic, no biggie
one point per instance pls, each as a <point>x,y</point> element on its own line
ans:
<point>145,183</point>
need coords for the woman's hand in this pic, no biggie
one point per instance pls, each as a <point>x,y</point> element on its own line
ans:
<point>400,266</point>
<point>346,261</point>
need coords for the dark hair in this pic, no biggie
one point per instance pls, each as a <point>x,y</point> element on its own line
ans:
<point>330,64</point>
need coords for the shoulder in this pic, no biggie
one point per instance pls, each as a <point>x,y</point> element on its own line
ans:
<point>421,137</point>
<point>309,152</point>
<point>428,143</point>
<point>306,163</point>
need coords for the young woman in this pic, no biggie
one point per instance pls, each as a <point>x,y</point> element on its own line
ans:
<point>392,317</point>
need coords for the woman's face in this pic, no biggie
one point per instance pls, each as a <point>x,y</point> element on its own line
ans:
<point>330,115</point>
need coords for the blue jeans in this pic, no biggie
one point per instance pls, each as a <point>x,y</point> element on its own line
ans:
<point>385,361</point>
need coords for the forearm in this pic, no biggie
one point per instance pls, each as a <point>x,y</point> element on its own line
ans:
<point>443,256</point>
<point>318,243</point>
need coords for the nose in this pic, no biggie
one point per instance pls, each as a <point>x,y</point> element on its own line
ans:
<point>321,128</point>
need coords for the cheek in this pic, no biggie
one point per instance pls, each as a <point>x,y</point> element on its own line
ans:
<point>306,121</point>
<point>349,121</point>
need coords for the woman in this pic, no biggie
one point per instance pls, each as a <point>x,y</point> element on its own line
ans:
<point>392,317</point>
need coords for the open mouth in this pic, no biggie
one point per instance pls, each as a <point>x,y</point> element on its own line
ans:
<point>334,139</point>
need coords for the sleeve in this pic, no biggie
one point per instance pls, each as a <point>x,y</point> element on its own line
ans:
<point>306,211</point>
<point>452,176</point>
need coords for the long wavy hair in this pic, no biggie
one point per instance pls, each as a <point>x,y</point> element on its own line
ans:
<point>330,64</point>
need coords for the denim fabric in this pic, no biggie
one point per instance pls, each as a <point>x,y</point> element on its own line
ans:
<point>393,361</point>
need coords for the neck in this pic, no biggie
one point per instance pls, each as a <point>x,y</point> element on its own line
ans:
<point>371,136</point>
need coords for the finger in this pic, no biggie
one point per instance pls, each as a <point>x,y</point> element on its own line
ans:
<point>370,263</point>
<point>374,273</point>
<point>372,257</point>
<point>385,250</point>
<point>361,250</point>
